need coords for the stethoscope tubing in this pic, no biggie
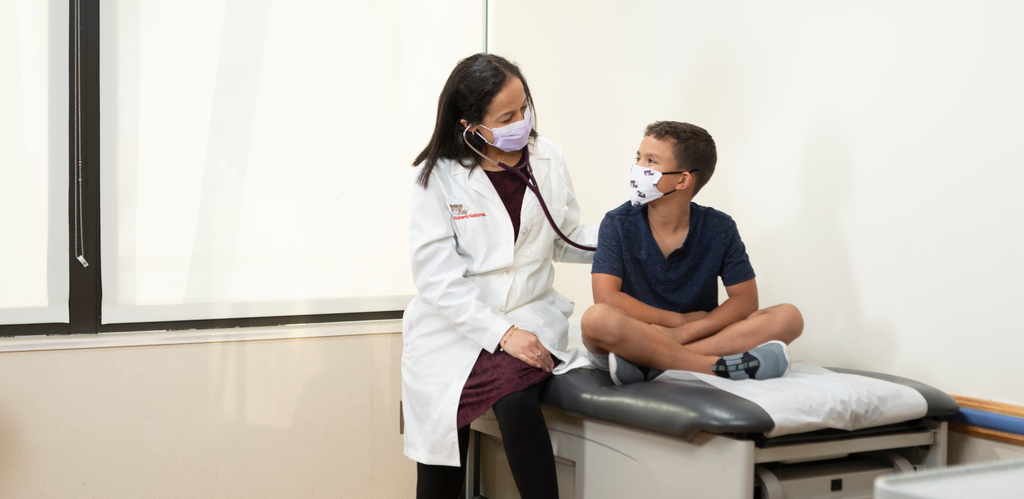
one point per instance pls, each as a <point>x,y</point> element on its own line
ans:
<point>531,183</point>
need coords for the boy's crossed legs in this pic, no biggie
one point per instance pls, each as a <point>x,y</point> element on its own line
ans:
<point>608,329</point>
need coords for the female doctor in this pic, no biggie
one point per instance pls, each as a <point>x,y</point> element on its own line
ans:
<point>486,327</point>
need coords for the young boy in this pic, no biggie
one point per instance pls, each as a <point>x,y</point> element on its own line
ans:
<point>656,270</point>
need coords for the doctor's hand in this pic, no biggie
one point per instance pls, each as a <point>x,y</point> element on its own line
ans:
<point>525,346</point>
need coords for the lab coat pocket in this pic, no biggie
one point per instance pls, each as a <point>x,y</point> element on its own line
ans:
<point>563,304</point>
<point>428,419</point>
<point>542,243</point>
<point>430,346</point>
<point>560,217</point>
<point>558,214</point>
<point>474,238</point>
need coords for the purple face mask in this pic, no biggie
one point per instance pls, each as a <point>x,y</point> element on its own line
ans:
<point>512,137</point>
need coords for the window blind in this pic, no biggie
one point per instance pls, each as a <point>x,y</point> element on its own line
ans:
<point>256,154</point>
<point>33,162</point>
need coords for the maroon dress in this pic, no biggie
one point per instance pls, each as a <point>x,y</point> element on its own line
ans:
<point>499,374</point>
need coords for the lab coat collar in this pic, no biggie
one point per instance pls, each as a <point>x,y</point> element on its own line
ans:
<point>540,163</point>
<point>537,153</point>
<point>481,184</point>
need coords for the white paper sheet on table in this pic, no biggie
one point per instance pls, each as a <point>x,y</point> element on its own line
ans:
<point>812,398</point>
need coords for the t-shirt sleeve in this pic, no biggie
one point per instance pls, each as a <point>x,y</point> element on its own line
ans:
<point>608,257</point>
<point>736,266</point>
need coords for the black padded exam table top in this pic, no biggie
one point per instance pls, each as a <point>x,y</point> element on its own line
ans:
<point>685,408</point>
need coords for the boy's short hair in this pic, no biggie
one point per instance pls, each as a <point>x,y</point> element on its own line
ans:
<point>694,148</point>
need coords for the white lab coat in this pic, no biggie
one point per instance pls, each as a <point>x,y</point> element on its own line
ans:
<point>474,283</point>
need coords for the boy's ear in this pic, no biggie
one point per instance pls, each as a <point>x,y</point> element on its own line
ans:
<point>685,181</point>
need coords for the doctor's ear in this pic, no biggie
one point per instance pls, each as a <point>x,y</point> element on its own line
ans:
<point>466,124</point>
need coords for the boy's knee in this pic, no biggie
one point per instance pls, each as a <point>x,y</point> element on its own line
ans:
<point>794,321</point>
<point>594,322</point>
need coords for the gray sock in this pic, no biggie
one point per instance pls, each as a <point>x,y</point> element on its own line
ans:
<point>736,367</point>
<point>623,372</point>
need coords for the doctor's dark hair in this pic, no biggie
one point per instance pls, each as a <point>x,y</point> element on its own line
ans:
<point>693,148</point>
<point>467,94</point>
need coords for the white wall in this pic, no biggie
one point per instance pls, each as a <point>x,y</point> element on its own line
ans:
<point>869,152</point>
<point>311,414</point>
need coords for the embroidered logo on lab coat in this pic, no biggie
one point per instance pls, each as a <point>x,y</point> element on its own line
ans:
<point>460,212</point>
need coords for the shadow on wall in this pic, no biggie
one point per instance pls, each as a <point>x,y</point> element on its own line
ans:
<point>315,415</point>
<point>807,262</point>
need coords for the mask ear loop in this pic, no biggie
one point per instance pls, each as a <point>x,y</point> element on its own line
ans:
<point>478,134</point>
<point>536,192</point>
<point>488,158</point>
<point>690,171</point>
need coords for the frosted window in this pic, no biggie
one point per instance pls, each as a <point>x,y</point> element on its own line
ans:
<point>33,162</point>
<point>256,154</point>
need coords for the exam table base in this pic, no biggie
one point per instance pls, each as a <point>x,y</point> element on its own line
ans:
<point>595,460</point>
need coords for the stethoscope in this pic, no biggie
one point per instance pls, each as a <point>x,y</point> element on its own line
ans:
<point>531,183</point>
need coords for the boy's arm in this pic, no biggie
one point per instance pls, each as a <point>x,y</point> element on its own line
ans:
<point>741,303</point>
<point>608,290</point>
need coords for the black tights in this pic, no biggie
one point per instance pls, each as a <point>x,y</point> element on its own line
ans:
<point>527,446</point>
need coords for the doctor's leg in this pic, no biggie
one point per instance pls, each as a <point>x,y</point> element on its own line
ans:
<point>443,482</point>
<point>527,443</point>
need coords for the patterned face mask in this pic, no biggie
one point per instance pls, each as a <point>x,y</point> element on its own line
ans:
<point>643,184</point>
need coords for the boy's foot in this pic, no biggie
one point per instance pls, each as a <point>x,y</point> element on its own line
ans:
<point>623,371</point>
<point>767,361</point>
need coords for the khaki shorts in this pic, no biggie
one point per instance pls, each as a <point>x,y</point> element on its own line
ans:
<point>598,361</point>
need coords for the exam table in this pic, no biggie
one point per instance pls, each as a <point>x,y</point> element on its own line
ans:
<point>689,439</point>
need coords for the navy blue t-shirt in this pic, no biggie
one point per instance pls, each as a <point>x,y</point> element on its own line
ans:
<point>687,281</point>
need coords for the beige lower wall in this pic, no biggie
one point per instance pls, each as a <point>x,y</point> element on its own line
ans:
<point>969,449</point>
<point>298,417</point>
